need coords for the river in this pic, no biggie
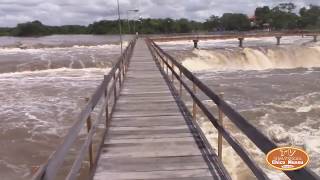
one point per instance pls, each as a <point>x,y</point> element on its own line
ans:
<point>277,88</point>
<point>44,82</point>
<point>43,85</point>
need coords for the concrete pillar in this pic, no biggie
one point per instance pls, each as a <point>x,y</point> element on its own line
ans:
<point>241,41</point>
<point>315,38</point>
<point>278,40</point>
<point>195,43</point>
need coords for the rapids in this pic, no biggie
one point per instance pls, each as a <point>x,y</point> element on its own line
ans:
<point>43,86</point>
<point>277,88</point>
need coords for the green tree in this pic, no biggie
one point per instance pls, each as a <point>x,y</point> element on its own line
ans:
<point>283,18</point>
<point>263,15</point>
<point>212,24</point>
<point>230,21</point>
<point>35,28</point>
<point>310,18</point>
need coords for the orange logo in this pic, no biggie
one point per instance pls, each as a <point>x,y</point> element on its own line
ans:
<point>287,158</point>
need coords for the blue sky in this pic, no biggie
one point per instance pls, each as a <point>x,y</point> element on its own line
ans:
<point>61,12</point>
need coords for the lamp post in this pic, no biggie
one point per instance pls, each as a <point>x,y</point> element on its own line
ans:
<point>120,28</point>
<point>134,25</point>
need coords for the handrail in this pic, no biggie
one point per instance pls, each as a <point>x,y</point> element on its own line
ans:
<point>257,137</point>
<point>205,36</point>
<point>49,170</point>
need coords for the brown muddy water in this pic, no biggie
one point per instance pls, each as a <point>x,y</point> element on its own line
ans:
<point>44,81</point>
<point>43,85</point>
<point>277,88</point>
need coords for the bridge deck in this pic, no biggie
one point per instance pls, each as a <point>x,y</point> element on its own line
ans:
<point>149,137</point>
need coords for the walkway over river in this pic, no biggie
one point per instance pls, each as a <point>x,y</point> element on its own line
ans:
<point>147,130</point>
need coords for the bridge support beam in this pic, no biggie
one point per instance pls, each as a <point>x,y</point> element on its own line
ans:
<point>241,39</point>
<point>315,38</point>
<point>195,43</point>
<point>278,40</point>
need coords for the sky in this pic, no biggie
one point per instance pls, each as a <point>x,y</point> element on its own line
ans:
<point>84,12</point>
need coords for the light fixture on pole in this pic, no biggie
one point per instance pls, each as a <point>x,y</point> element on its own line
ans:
<point>131,10</point>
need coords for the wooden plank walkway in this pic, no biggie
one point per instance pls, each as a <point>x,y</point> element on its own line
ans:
<point>148,136</point>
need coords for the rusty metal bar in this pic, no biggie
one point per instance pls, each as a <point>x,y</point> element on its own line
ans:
<point>115,87</point>
<point>172,75</point>
<point>194,105</point>
<point>180,87</point>
<point>89,125</point>
<point>167,65</point>
<point>107,106</point>
<point>120,81</point>
<point>221,115</point>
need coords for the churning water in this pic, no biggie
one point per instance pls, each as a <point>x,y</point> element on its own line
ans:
<point>43,86</point>
<point>44,83</point>
<point>277,88</point>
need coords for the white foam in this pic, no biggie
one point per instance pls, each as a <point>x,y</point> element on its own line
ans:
<point>253,59</point>
<point>75,47</point>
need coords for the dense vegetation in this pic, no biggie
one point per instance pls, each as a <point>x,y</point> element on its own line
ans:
<point>281,17</point>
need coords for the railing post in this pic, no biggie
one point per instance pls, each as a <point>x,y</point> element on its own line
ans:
<point>89,125</point>
<point>172,75</point>
<point>194,106</point>
<point>221,115</point>
<point>123,67</point>
<point>167,65</point>
<point>120,75</point>
<point>115,87</point>
<point>161,63</point>
<point>107,104</point>
<point>119,78</point>
<point>180,88</point>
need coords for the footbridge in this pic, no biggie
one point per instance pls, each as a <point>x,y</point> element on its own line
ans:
<point>241,37</point>
<point>137,126</point>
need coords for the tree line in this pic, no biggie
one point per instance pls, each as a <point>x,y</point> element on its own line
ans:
<point>284,16</point>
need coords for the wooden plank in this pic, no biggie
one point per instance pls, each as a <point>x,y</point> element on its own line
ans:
<point>153,174</point>
<point>147,121</point>
<point>154,135</point>
<point>148,140</point>
<point>153,164</point>
<point>189,178</point>
<point>150,132</point>
<point>146,99</point>
<point>144,113</point>
<point>148,128</point>
<point>147,94</point>
<point>153,107</point>
<point>144,93</point>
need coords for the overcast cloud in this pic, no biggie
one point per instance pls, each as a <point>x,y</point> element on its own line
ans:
<point>61,12</point>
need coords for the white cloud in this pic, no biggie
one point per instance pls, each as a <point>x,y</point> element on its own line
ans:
<point>60,12</point>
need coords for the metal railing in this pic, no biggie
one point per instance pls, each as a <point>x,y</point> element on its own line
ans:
<point>107,93</point>
<point>235,35</point>
<point>180,73</point>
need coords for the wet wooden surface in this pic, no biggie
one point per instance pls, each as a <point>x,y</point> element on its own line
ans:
<point>149,137</point>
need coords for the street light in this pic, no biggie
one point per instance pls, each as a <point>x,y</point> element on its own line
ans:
<point>120,30</point>
<point>134,25</point>
<point>119,22</point>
